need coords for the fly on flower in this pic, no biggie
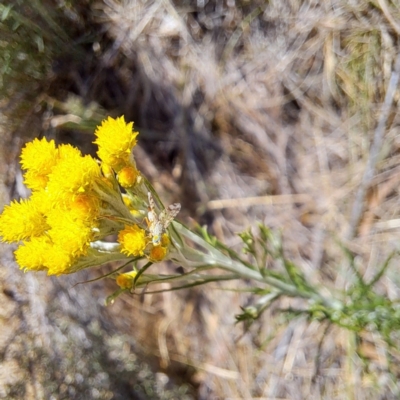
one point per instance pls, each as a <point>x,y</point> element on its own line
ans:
<point>159,223</point>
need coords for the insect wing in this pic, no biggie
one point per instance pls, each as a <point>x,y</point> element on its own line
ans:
<point>169,214</point>
<point>152,204</point>
<point>152,215</point>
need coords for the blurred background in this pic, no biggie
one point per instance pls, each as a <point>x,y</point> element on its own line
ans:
<point>247,111</point>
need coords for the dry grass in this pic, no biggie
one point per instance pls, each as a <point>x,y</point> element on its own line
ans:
<point>272,104</point>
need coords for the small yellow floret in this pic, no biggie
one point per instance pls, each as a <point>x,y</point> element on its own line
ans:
<point>125,281</point>
<point>126,199</point>
<point>106,170</point>
<point>116,140</point>
<point>133,240</point>
<point>127,176</point>
<point>134,211</point>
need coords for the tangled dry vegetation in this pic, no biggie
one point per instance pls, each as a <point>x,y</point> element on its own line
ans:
<point>248,111</point>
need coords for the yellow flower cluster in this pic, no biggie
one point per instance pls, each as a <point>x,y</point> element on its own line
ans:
<point>75,202</point>
<point>57,223</point>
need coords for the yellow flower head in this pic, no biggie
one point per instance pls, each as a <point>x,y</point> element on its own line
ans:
<point>133,240</point>
<point>116,140</point>
<point>38,158</point>
<point>67,151</point>
<point>41,201</point>
<point>32,254</point>
<point>39,155</point>
<point>127,176</point>
<point>158,253</point>
<point>21,220</point>
<point>39,254</point>
<point>125,281</point>
<point>72,175</point>
<point>70,234</point>
<point>58,260</point>
<point>84,207</point>
<point>35,181</point>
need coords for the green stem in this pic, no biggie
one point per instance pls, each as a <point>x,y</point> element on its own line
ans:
<point>140,272</point>
<point>193,284</point>
<point>217,259</point>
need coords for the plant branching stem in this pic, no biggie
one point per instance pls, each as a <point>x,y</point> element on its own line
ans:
<point>216,259</point>
<point>283,287</point>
